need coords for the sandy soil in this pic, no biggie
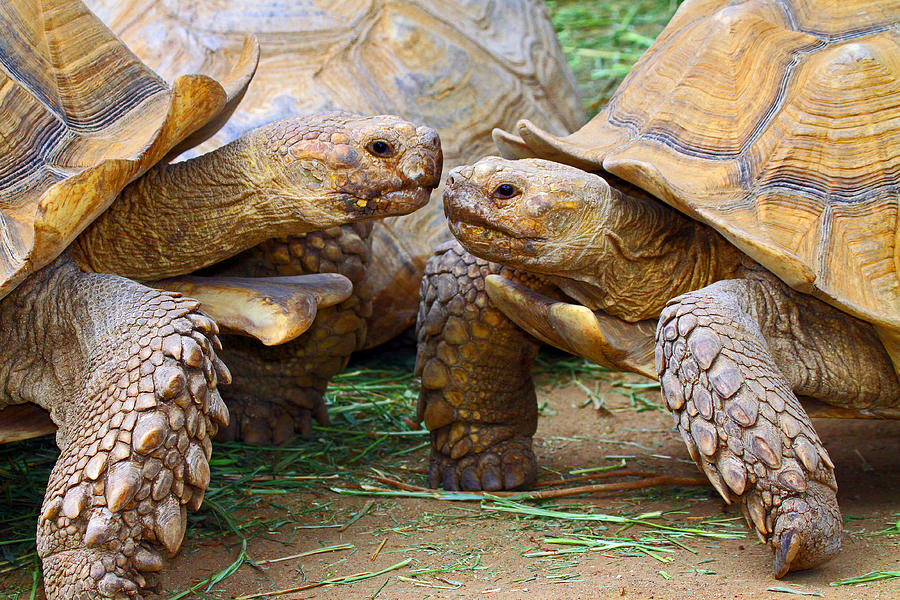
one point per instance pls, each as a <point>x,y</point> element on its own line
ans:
<point>458,536</point>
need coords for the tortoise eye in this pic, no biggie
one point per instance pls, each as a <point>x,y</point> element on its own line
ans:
<point>380,148</point>
<point>505,191</point>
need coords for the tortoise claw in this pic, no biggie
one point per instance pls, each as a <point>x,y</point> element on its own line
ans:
<point>517,475</point>
<point>449,481</point>
<point>469,478</point>
<point>785,552</point>
<point>490,479</point>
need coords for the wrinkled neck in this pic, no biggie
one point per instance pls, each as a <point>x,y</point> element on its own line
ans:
<point>222,178</point>
<point>180,217</point>
<point>650,253</point>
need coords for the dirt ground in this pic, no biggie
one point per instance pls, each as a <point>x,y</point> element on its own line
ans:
<point>480,553</point>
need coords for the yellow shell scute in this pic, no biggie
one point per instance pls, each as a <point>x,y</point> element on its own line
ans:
<point>778,124</point>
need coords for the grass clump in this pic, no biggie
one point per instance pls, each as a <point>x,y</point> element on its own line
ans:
<point>602,40</point>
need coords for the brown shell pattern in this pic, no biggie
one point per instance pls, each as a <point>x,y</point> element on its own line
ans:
<point>80,117</point>
<point>778,123</point>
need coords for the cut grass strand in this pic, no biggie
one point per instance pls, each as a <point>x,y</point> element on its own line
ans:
<point>420,583</point>
<point>789,590</point>
<point>509,506</point>
<point>646,482</point>
<point>579,546</point>
<point>331,581</point>
<point>323,550</point>
<point>891,529</point>
<point>378,550</point>
<point>359,515</point>
<point>871,576</point>
<point>597,469</point>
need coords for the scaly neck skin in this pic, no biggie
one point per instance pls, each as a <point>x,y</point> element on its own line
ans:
<point>649,254</point>
<point>180,217</point>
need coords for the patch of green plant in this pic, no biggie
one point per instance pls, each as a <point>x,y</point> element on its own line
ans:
<point>871,576</point>
<point>891,529</point>
<point>603,39</point>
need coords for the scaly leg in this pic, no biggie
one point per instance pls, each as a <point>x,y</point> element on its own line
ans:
<point>730,358</point>
<point>477,397</point>
<point>277,390</point>
<point>129,375</point>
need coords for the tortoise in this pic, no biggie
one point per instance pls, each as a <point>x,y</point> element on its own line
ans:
<point>128,372</point>
<point>728,225</point>
<point>461,67</point>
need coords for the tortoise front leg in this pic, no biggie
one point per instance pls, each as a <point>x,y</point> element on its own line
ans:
<point>278,390</point>
<point>129,375</point>
<point>478,398</point>
<point>730,358</point>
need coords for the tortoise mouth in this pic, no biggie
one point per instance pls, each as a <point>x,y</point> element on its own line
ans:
<point>391,204</point>
<point>466,219</point>
<point>493,243</point>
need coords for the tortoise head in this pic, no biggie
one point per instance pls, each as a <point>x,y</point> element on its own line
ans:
<point>531,214</point>
<point>291,177</point>
<point>601,240</point>
<point>337,167</point>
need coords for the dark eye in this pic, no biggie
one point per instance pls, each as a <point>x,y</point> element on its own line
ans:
<point>380,148</point>
<point>505,191</point>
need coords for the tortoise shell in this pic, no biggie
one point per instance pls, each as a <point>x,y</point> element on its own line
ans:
<point>458,66</point>
<point>777,122</point>
<point>81,116</point>
<point>462,67</point>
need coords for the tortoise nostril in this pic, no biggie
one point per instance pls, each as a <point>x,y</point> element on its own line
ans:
<point>423,171</point>
<point>417,173</point>
<point>429,136</point>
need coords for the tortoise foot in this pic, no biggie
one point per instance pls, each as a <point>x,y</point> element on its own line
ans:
<point>507,465</point>
<point>135,458</point>
<point>269,423</point>
<point>807,530</point>
<point>745,428</point>
<point>88,574</point>
<point>477,397</point>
